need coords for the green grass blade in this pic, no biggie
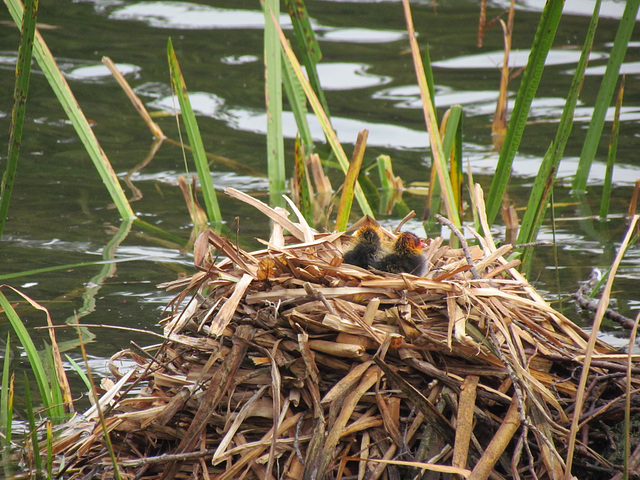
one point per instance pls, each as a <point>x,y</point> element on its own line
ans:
<point>605,94</point>
<point>324,121</point>
<point>611,157</point>
<point>31,418</point>
<point>72,109</point>
<point>32,354</point>
<point>273,89</point>
<point>195,140</point>
<point>23,74</point>
<point>530,80</point>
<point>536,207</point>
<point>6,412</point>
<point>309,47</point>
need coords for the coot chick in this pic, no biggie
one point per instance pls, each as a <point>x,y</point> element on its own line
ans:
<point>406,256</point>
<point>366,251</point>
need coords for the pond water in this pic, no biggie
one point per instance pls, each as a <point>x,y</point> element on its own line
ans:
<point>60,211</point>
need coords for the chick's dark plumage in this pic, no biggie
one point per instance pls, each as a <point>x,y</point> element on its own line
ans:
<point>367,250</point>
<point>406,256</point>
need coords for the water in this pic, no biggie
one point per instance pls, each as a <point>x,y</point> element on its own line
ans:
<point>60,211</point>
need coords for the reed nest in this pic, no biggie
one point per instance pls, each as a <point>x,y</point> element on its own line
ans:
<point>286,363</point>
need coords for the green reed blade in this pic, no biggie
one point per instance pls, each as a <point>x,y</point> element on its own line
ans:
<point>452,148</point>
<point>611,157</point>
<point>450,129</point>
<point>433,202</point>
<point>298,102</point>
<point>163,237</point>
<point>80,372</point>
<point>431,121</point>
<point>301,178</point>
<point>195,140</point>
<point>605,94</point>
<point>6,410</point>
<point>49,450</point>
<point>309,47</point>
<point>535,222</point>
<point>537,205</point>
<point>273,89</point>
<point>428,72</point>
<point>23,74</point>
<point>34,358</point>
<point>351,179</point>
<point>385,172</point>
<point>54,383</point>
<point>433,198</point>
<point>11,392</point>
<point>542,42</point>
<point>31,418</point>
<point>323,120</point>
<point>68,266</point>
<point>78,120</point>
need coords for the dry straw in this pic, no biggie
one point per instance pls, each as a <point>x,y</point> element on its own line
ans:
<point>285,363</point>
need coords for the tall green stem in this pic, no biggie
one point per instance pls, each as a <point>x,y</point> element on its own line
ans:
<point>273,92</point>
<point>605,94</point>
<point>528,87</point>
<point>23,74</point>
<point>195,139</point>
<point>70,105</point>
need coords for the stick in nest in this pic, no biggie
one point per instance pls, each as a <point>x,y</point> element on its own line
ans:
<point>463,243</point>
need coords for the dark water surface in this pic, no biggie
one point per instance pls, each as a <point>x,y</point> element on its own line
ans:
<point>60,211</point>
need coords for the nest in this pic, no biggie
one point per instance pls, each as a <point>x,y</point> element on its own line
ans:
<point>285,363</point>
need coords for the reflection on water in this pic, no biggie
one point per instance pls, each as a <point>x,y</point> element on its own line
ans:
<point>347,76</point>
<point>608,8</point>
<point>627,68</point>
<point>360,35</point>
<point>381,135</point>
<point>185,15</point>
<point>517,59</point>
<point>97,73</point>
<point>475,102</point>
<point>239,60</point>
<point>221,180</point>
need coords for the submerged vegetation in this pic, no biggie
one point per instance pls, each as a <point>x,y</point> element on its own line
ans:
<point>470,325</point>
